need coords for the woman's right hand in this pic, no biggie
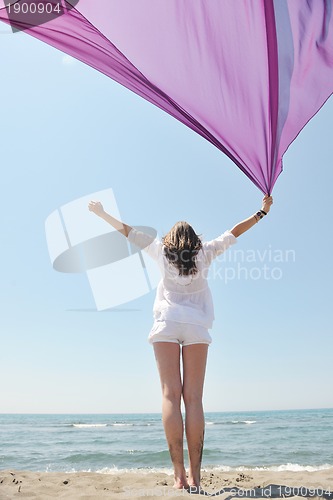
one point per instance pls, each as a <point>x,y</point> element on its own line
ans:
<point>267,201</point>
<point>96,207</point>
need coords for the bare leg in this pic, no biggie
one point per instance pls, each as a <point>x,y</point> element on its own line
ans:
<point>167,356</point>
<point>194,366</point>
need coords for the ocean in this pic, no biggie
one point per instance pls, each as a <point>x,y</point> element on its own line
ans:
<point>269,440</point>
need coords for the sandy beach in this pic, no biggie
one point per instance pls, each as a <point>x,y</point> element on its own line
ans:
<point>89,485</point>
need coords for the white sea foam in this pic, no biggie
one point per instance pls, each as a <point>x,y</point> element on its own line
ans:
<point>232,422</point>
<point>306,468</point>
<point>243,421</point>
<point>219,468</point>
<point>273,468</point>
<point>83,426</point>
<point>147,470</point>
<point>122,425</point>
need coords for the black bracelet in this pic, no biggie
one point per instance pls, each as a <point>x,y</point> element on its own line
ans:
<point>262,211</point>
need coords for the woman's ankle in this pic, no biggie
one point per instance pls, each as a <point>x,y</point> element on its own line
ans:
<point>193,480</point>
<point>180,479</point>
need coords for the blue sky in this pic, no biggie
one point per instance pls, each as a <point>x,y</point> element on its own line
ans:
<point>68,131</point>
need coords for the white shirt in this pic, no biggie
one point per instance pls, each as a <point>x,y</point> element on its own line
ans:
<point>186,299</point>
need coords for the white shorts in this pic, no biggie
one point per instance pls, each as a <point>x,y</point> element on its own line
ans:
<point>179,333</point>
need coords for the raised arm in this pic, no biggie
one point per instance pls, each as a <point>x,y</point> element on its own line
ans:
<point>246,224</point>
<point>97,208</point>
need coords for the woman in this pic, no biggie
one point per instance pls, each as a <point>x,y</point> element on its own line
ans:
<point>183,313</point>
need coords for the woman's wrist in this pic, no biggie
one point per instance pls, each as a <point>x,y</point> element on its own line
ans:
<point>260,214</point>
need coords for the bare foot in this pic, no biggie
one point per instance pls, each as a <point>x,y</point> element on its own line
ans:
<point>193,480</point>
<point>181,483</point>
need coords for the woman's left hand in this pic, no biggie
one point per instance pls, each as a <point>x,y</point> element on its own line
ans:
<point>267,201</point>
